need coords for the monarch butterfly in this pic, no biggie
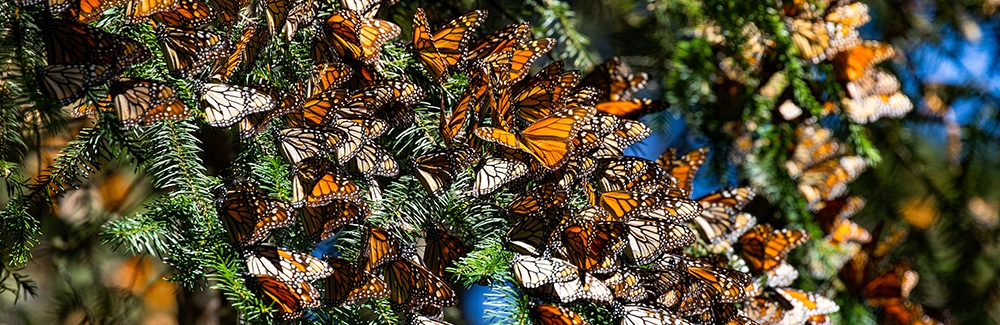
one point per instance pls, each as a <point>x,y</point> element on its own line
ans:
<point>249,217</point>
<point>84,11</point>
<point>533,272</point>
<point>554,73</point>
<point>316,182</point>
<point>626,285</point>
<point>532,235</point>
<point>189,13</point>
<point>373,160</point>
<point>628,204</point>
<point>807,303</point>
<point>496,172</point>
<point>871,108</point>
<point>323,77</point>
<point>842,208</point>
<point>321,223</point>
<point>136,11</point>
<point>890,285</point>
<point>873,82</point>
<point>650,239</point>
<point>226,105</point>
<point>443,249</point>
<point>275,14</point>
<point>223,69</point>
<point>228,9</point>
<point>437,169</point>
<point>814,144</point>
<point>413,285</point>
<point>546,314</point>
<point>818,41</point>
<point>292,298</point>
<point>615,80</point>
<point>637,175</point>
<point>852,15</point>
<point>67,83</point>
<point>302,13</point>
<point>728,284</point>
<point>498,41</point>
<point>579,106</point>
<point>398,111</point>
<point>285,265</point>
<point>547,90</point>
<point>353,36</point>
<point>845,230</point>
<point>646,315</point>
<point>684,168</point>
<point>146,102</point>
<point>719,313</point>
<point>536,201</point>
<point>782,275</point>
<point>592,245</point>
<point>548,140</point>
<point>424,320</point>
<point>854,63</point>
<point>297,144</point>
<point>359,132</point>
<point>525,55</point>
<point>87,107</point>
<point>694,298</point>
<point>286,103</point>
<point>189,50</point>
<point>446,48</point>
<point>587,287</point>
<point>68,42</point>
<point>720,222</point>
<point>632,109</point>
<point>829,179</point>
<point>624,134</point>
<point>577,169</point>
<point>378,247</point>
<point>764,247</point>
<point>768,310</point>
<point>514,60</point>
<point>348,284</point>
<point>324,108</point>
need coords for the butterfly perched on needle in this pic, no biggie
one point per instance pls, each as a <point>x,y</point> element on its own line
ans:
<point>69,42</point>
<point>67,83</point>
<point>284,264</point>
<point>437,169</point>
<point>227,104</point>
<point>442,251</point>
<point>188,13</point>
<point>249,217</point>
<point>764,247</point>
<point>188,51</point>
<point>445,49</point>
<point>350,35</point>
<point>323,222</point>
<point>548,140</point>
<point>615,80</point>
<point>349,284</point>
<point>317,181</point>
<point>291,297</point>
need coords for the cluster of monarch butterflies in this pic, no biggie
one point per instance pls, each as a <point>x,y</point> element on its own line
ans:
<point>552,132</point>
<point>826,31</point>
<point>872,93</point>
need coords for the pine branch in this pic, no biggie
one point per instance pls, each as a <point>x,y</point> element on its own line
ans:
<point>18,231</point>
<point>172,159</point>
<point>559,21</point>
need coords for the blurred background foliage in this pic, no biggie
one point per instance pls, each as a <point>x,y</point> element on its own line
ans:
<point>934,185</point>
